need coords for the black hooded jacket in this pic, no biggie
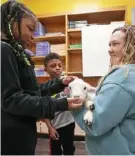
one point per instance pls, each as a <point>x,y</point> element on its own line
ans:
<point>23,101</point>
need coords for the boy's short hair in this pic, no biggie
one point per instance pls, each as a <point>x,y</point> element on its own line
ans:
<point>51,56</point>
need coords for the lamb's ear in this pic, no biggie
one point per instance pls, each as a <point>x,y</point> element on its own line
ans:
<point>67,91</point>
<point>91,90</point>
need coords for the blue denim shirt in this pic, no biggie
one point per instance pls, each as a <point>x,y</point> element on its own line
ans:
<point>113,129</point>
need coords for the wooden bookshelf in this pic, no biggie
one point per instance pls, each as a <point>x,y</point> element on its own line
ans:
<point>43,79</point>
<point>101,16</point>
<point>72,57</point>
<point>36,58</point>
<point>74,33</point>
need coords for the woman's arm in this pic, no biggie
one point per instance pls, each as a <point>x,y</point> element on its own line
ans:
<point>111,105</point>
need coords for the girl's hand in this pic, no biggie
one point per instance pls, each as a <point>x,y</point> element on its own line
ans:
<point>74,103</point>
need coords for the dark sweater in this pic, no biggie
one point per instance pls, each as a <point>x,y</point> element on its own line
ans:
<point>23,101</point>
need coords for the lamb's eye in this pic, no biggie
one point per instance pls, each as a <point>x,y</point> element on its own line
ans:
<point>70,88</point>
<point>84,88</point>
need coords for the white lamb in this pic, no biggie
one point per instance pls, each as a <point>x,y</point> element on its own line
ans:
<point>79,88</point>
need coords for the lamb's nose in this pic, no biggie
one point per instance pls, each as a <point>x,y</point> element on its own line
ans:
<point>76,96</point>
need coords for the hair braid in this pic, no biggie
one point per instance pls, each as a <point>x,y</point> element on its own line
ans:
<point>11,12</point>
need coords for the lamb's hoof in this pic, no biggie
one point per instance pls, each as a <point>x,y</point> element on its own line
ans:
<point>92,107</point>
<point>87,122</point>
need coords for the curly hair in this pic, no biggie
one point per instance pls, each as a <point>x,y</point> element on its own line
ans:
<point>129,48</point>
<point>11,12</point>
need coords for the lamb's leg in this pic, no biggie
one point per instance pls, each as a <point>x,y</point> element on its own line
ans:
<point>88,117</point>
<point>89,105</point>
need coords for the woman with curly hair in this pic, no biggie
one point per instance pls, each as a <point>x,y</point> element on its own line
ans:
<point>112,131</point>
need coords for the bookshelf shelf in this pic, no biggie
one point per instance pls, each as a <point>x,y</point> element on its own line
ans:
<point>74,73</point>
<point>35,58</point>
<point>42,79</point>
<point>54,39</point>
<point>74,30</point>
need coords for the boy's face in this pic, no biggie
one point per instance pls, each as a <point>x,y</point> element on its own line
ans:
<point>54,68</point>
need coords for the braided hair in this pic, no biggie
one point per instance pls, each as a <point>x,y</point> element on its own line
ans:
<point>13,11</point>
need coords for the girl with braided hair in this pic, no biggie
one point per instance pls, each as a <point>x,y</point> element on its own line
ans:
<point>23,100</point>
<point>112,131</point>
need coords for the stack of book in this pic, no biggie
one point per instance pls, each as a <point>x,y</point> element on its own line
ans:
<point>42,48</point>
<point>40,30</point>
<point>77,24</point>
<point>74,46</point>
<point>39,71</point>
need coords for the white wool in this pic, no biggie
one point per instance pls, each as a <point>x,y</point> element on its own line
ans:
<point>79,88</point>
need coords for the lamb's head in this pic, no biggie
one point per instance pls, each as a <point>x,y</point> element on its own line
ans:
<point>79,88</point>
